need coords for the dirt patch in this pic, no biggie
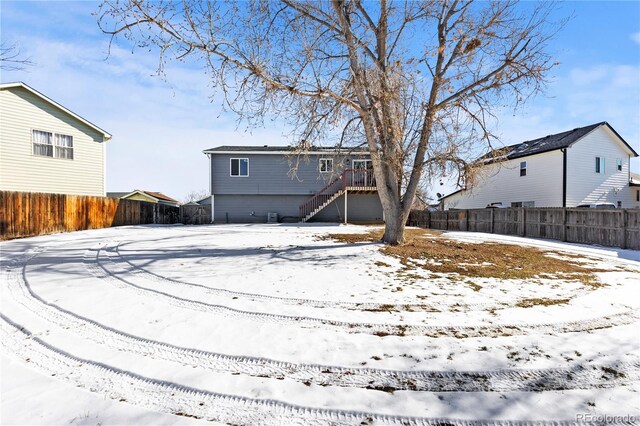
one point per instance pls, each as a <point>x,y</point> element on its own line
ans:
<point>432,251</point>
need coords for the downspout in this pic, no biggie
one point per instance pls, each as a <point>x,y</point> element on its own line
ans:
<point>564,177</point>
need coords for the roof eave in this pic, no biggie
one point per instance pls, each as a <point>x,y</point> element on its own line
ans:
<point>105,135</point>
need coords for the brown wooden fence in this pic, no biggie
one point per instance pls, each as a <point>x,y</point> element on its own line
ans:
<point>613,228</point>
<point>24,214</point>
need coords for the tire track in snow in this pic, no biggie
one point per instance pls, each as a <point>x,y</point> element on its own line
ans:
<point>182,400</point>
<point>314,303</point>
<point>94,264</point>
<point>585,377</point>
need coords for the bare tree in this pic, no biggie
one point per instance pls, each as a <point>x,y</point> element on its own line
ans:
<point>11,59</point>
<point>196,196</point>
<point>415,82</point>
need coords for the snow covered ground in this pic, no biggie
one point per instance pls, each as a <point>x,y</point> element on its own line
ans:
<point>269,324</point>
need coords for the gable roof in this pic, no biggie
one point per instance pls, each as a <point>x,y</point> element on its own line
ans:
<point>155,195</point>
<point>266,149</point>
<point>549,143</point>
<point>4,86</point>
<point>634,180</point>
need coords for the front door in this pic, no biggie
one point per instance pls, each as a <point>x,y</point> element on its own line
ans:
<point>363,173</point>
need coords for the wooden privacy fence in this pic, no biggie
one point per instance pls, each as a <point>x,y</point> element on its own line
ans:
<point>24,214</point>
<point>607,227</point>
<point>195,214</point>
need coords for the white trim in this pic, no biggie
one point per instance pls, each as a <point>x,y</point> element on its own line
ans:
<point>238,158</point>
<point>320,165</point>
<point>106,136</point>
<point>213,209</point>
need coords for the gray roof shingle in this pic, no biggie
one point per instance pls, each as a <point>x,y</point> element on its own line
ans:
<point>550,143</point>
<point>266,148</point>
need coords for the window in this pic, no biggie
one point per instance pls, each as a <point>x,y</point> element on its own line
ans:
<point>64,146</point>
<point>43,145</point>
<point>516,204</point>
<point>599,165</point>
<point>523,168</point>
<point>239,167</point>
<point>619,164</point>
<point>619,204</point>
<point>528,204</point>
<point>326,165</point>
<point>638,195</point>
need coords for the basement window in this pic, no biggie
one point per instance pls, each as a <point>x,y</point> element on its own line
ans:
<point>523,168</point>
<point>239,167</point>
<point>326,165</point>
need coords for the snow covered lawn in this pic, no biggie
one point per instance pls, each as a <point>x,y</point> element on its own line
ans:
<point>277,324</point>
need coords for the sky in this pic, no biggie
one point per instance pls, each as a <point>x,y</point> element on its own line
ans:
<point>161,126</point>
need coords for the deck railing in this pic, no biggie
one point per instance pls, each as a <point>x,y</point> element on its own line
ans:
<point>359,178</point>
<point>350,178</point>
<point>322,196</point>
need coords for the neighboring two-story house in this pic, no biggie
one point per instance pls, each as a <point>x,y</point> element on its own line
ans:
<point>257,184</point>
<point>587,165</point>
<point>44,147</point>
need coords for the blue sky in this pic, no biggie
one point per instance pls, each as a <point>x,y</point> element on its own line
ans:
<point>160,127</point>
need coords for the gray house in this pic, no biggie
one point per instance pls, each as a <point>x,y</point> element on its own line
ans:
<point>257,184</point>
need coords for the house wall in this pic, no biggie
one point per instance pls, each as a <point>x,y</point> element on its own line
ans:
<point>21,112</point>
<point>502,183</point>
<point>584,185</point>
<point>254,208</point>
<point>270,174</point>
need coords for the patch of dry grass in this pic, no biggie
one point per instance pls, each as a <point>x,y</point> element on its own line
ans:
<point>529,303</point>
<point>485,260</point>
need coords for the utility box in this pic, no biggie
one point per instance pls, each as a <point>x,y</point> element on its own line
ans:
<point>272,217</point>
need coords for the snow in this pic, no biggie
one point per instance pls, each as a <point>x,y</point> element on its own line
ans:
<point>271,324</point>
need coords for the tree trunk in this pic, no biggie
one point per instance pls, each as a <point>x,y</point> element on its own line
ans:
<point>394,223</point>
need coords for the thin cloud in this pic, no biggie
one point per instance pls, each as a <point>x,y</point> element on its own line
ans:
<point>636,37</point>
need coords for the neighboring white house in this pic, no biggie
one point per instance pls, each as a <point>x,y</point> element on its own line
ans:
<point>587,165</point>
<point>44,147</point>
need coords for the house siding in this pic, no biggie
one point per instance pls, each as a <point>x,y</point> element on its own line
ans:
<point>502,183</point>
<point>21,112</point>
<point>584,185</point>
<point>269,174</point>
<point>254,208</point>
<point>270,188</point>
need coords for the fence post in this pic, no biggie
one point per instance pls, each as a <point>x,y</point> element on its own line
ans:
<point>428,220</point>
<point>447,220</point>
<point>466,219</point>
<point>563,233</point>
<point>625,221</point>
<point>523,221</point>
<point>492,220</point>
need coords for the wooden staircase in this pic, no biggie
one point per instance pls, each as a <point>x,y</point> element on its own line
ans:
<point>352,180</point>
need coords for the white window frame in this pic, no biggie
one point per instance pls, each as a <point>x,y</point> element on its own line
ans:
<point>239,169</point>
<point>599,165</point>
<point>619,164</point>
<point>35,144</point>
<point>58,147</point>
<point>523,168</point>
<point>326,161</point>
<point>54,146</point>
